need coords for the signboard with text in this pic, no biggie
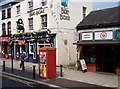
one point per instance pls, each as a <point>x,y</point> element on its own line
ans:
<point>104,35</point>
<point>83,64</point>
<point>117,34</point>
<point>87,36</point>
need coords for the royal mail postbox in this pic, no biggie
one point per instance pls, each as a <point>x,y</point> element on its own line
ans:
<point>47,62</point>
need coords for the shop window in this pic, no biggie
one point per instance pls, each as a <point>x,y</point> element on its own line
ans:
<point>23,47</point>
<point>8,50</point>
<point>84,11</point>
<point>3,14</point>
<point>30,5</point>
<point>31,48</point>
<point>30,20</point>
<point>44,2</point>
<point>89,54</point>
<point>9,13</point>
<point>18,10</point>
<point>44,21</point>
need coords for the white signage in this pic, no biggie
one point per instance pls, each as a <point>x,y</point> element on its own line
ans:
<point>83,64</point>
<point>105,35</point>
<point>76,37</point>
<point>87,36</point>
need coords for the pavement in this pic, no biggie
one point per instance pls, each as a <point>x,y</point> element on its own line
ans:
<point>71,77</point>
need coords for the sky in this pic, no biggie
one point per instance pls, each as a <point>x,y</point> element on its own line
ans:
<point>103,5</point>
<point>99,4</point>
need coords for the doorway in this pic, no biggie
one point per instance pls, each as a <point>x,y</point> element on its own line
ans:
<point>106,58</point>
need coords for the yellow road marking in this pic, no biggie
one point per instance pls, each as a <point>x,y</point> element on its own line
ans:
<point>17,80</point>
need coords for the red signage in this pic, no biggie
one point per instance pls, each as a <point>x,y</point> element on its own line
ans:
<point>4,38</point>
<point>20,42</point>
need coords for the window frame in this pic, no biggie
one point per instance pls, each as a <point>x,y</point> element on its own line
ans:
<point>30,23</point>
<point>30,5</point>
<point>18,9</point>
<point>9,13</point>
<point>44,2</point>
<point>3,14</point>
<point>3,29</point>
<point>84,11</point>
<point>44,21</point>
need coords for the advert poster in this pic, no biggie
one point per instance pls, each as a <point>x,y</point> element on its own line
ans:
<point>43,64</point>
<point>83,64</point>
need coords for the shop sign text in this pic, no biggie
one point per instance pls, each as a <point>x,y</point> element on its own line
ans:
<point>87,36</point>
<point>36,12</point>
<point>64,14</point>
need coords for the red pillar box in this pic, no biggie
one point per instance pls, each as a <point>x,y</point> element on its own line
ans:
<point>47,62</point>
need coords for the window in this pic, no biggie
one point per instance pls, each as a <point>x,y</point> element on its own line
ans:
<point>3,14</point>
<point>3,29</point>
<point>30,4</point>
<point>30,23</point>
<point>44,21</point>
<point>44,2</point>
<point>9,28</point>
<point>18,10</point>
<point>9,13</point>
<point>84,11</point>
<point>89,54</point>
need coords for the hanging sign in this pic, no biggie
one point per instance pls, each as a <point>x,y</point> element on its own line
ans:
<point>105,35</point>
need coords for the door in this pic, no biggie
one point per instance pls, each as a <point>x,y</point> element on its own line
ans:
<point>106,61</point>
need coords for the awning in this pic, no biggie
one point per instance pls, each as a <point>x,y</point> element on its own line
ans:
<point>4,38</point>
<point>21,42</point>
<point>98,42</point>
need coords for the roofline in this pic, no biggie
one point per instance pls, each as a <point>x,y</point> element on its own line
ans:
<point>98,26</point>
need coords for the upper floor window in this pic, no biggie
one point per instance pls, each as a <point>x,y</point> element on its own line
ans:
<point>3,29</point>
<point>3,14</point>
<point>30,23</point>
<point>44,2</point>
<point>9,28</point>
<point>30,4</point>
<point>44,21</point>
<point>18,10</point>
<point>84,11</point>
<point>9,13</point>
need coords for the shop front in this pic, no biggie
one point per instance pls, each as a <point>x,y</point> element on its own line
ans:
<point>101,51</point>
<point>30,44</point>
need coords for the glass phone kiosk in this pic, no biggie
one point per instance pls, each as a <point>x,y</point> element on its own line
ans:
<point>47,62</point>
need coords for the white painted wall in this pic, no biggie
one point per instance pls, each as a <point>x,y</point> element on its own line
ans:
<point>65,53</point>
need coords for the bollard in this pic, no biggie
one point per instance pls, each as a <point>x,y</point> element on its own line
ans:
<point>61,75</point>
<point>3,65</point>
<point>33,71</point>
<point>23,67</point>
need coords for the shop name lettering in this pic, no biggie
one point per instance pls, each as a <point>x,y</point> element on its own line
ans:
<point>64,14</point>
<point>41,10</point>
<point>86,36</point>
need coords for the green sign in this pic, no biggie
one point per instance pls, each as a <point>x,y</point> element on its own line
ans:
<point>117,34</point>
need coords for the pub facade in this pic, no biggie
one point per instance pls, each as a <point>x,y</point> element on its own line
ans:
<point>42,23</point>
